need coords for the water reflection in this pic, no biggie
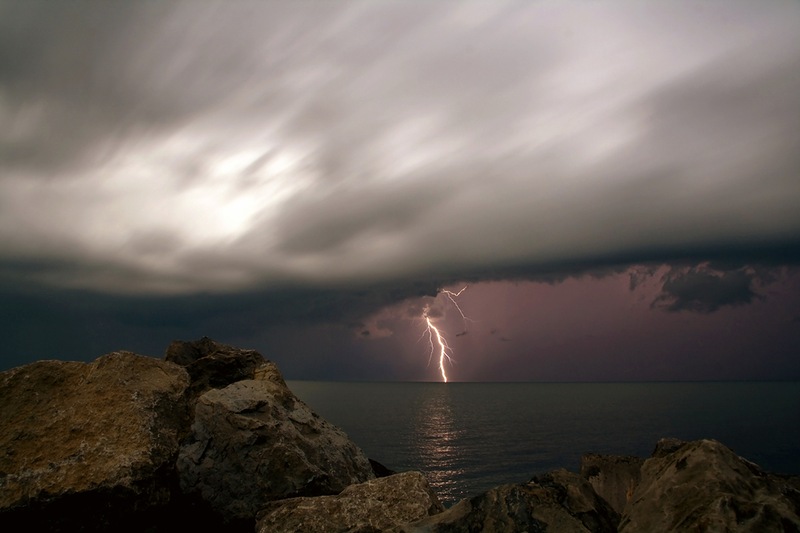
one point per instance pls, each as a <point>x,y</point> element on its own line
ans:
<point>437,440</point>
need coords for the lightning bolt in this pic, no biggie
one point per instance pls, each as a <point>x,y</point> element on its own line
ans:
<point>452,297</point>
<point>435,336</point>
<point>443,347</point>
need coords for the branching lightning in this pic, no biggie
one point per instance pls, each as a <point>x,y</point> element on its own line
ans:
<point>435,337</point>
<point>442,343</point>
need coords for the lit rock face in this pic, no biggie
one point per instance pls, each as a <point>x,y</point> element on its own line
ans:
<point>559,501</point>
<point>254,441</point>
<point>383,504</point>
<point>704,486</point>
<point>132,443</point>
<point>90,446</point>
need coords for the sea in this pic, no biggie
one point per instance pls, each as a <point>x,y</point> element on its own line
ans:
<point>469,437</point>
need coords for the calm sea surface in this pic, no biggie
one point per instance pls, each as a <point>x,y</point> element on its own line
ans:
<point>469,437</point>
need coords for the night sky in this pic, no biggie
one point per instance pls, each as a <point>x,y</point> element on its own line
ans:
<point>617,184</point>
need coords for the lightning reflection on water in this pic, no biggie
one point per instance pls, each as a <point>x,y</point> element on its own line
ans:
<point>436,439</point>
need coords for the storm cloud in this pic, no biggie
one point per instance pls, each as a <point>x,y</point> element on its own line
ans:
<point>705,289</point>
<point>305,177</point>
<point>182,147</point>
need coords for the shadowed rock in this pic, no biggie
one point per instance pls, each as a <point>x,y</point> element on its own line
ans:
<point>254,441</point>
<point>666,446</point>
<point>383,504</point>
<point>704,486</point>
<point>213,365</point>
<point>90,446</point>
<point>559,501</point>
<point>613,477</point>
<point>380,470</point>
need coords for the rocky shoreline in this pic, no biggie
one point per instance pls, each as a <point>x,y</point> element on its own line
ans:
<point>211,438</point>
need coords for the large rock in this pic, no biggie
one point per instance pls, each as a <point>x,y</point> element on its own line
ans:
<point>90,446</point>
<point>559,501</point>
<point>383,504</point>
<point>613,477</point>
<point>254,441</point>
<point>704,486</point>
<point>213,365</point>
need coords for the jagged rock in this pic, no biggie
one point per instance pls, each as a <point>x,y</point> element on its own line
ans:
<point>613,477</point>
<point>704,486</point>
<point>383,504</point>
<point>559,501</point>
<point>666,446</point>
<point>107,446</point>
<point>213,365</point>
<point>254,441</point>
<point>90,446</point>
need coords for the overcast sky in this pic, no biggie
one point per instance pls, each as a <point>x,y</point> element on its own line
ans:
<point>617,183</point>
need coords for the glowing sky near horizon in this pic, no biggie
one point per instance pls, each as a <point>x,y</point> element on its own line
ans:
<point>314,163</point>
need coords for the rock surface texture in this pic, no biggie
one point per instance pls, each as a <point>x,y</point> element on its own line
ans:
<point>213,365</point>
<point>99,437</point>
<point>384,504</point>
<point>254,441</point>
<point>613,477</point>
<point>131,443</point>
<point>560,501</point>
<point>704,486</point>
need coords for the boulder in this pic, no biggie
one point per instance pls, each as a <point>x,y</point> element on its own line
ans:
<point>559,501</point>
<point>254,441</point>
<point>383,504</point>
<point>213,365</point>
<point>99,437</point>
<point>613,477</point>
<point>704,486</point>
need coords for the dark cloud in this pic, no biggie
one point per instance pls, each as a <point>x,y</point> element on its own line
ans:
<point>705,289</point>
<point>75,324</point>
<point>640,274</point>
